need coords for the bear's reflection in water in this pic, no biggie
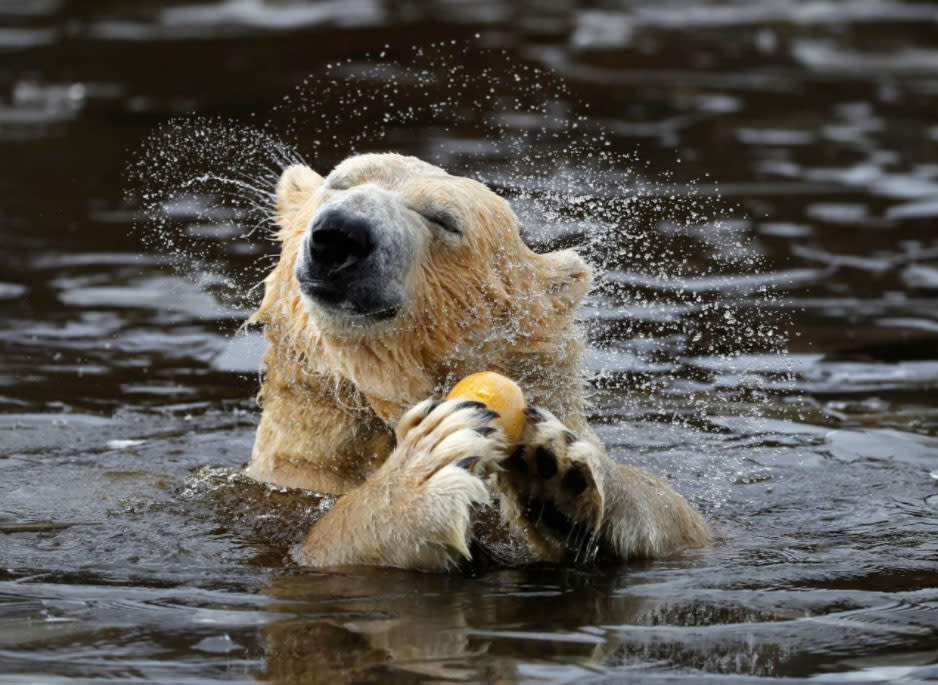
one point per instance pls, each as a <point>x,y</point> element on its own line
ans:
<point>365,623</point>
<point>340,625</point>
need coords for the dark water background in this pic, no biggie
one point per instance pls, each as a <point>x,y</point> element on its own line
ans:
<point>808,129</point>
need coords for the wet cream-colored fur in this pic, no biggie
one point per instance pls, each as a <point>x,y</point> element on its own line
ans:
<point>345,407</point>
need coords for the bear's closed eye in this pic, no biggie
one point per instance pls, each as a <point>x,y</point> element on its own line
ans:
<point>443,221</point>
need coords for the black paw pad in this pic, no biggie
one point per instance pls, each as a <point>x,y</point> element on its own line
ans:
<point>534,414</point>
<point>467,463</point>
<point>575,480</point>
<point>516,461</point>
<point>545,513</point>
<point>469,404</point>
<point>546,462</point>
<point>485,430</point>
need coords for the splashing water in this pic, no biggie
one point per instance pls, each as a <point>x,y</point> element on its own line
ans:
<point>686,328</point>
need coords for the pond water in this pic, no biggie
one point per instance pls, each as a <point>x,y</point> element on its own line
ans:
<point>758,184</point>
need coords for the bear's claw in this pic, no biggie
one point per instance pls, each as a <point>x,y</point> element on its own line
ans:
<point>435,434</point>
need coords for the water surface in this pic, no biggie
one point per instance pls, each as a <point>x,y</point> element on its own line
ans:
<point>770,182</point>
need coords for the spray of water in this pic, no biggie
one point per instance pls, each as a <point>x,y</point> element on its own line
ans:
<point>683,322</point>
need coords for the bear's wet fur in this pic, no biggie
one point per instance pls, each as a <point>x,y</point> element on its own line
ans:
<point>395,280</point>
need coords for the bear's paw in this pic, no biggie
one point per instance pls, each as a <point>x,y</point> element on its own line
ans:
<point>417,509</point>
<point>552,489</point>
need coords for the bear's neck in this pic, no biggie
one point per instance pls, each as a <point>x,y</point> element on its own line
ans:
<point>393,376</point>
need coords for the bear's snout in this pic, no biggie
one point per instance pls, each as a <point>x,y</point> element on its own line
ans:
<point>338,242</point>
<point>352,262</point>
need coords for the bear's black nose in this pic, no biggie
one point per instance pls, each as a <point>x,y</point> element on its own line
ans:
<point>338,241</point>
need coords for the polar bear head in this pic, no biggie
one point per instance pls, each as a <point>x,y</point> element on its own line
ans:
<point>399,277</point>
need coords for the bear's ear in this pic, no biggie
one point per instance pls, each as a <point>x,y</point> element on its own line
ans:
<point>296,185</point>
<point>566,278</point>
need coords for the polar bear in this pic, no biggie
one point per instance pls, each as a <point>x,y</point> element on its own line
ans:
<point>395,280</point>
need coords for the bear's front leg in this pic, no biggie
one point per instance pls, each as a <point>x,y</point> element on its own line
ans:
<point>415,511</point>
<point>570,501</point>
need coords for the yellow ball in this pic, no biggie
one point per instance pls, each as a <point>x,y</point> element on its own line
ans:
<point>498,393</point>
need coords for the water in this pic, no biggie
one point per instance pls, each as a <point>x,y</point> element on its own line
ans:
<point>802,132</point>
